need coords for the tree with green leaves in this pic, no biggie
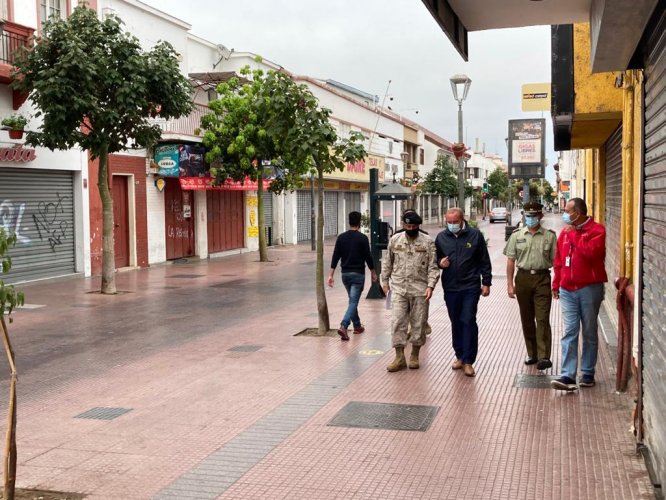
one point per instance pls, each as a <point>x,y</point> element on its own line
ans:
<point>263,117</point>
<point>498,185</point>
<point>443,178</point>
<point>96,89</point>
<point>10,298</point>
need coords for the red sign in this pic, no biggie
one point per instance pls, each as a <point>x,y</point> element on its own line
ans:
<point>205,184</point>
<point>17,154</point>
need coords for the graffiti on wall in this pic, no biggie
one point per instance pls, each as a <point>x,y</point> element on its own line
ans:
<point>11,220</point>
<point>46,219</point>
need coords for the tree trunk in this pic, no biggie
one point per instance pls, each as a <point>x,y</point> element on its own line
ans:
<point>263,252</point>
<point>10,439</point>
<point>322,306</point>
<point>108,251</point>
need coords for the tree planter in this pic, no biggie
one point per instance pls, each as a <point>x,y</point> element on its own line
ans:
<point>15,134</point>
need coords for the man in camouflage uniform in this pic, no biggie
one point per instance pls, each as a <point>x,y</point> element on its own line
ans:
<point>410,272</point>
<point>532,249</point>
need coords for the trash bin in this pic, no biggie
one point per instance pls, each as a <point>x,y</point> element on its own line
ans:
<point>507,232</point>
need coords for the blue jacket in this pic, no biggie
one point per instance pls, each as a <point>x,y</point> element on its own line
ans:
<point>468,257</point>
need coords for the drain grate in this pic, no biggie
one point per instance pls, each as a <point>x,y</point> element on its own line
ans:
<point>386,416</point>
<point>103,413</point>
<point>525,381</point>
<point>186,276</point>
<point>246,348</point>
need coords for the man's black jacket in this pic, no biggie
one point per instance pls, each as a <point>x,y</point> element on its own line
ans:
<point>468,259</point>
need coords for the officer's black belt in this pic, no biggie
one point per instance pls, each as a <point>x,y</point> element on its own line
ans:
<point>534,271</point>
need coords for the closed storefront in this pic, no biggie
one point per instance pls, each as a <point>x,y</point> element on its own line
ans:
<point>268,216</point>
<point>653,303</point>
<point>304,211</point>
<point>38,206</point>
<point>179,223</point>
<point>225,216</point>
<point>613,215</point>
<point>330,214</point>
<point>352,202</point>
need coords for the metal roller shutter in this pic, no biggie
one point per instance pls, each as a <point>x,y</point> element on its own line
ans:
<point>330,214</point>
<point>304,211</point>
<point>653,277</point>
<point>613,149</point>
<point>268,208</point>
<point>352,202</point>
<point>38,205</point>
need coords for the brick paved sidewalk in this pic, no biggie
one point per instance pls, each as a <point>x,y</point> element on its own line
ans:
<point>223,401</point>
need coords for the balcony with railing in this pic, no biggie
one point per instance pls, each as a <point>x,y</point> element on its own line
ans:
<point>184,127</point>
<point>12,37</point>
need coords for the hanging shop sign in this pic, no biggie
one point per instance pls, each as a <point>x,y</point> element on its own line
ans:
<point>527,152</point>
<point>206,184</point>
<point>180,160</point>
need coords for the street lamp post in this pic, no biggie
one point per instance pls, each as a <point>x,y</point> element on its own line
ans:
<point>460,86</point>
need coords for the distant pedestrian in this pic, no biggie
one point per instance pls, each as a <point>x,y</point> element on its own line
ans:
<point>579,284</point>
<point>462,254</point>
<point>532,249</point>
<point>410,272</point>
<point>352,249</point>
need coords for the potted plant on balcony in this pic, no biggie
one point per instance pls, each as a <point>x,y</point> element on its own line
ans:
<point>15,123</point>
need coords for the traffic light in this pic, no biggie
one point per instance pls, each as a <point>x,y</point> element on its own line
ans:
<point>485,187</point>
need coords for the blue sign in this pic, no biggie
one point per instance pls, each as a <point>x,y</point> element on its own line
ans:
<point>166,157</point>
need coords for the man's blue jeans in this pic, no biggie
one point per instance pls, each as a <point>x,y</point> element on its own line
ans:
<point>580,308</point>
<point>354,283</point>
<point>462,306</point>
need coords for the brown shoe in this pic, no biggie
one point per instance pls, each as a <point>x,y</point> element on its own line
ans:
<point>359,329</point>
<point>457,364</point>
<point>399,363</point>
<point>414,358</point>
<point>468,370</point>
<point>342,331</point>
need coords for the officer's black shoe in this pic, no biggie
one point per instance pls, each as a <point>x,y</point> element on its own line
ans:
<point>531,361</point>
<point>563,384</point>
<point>544,364</point>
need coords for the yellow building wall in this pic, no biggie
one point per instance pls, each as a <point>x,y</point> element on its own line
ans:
<point>598,103</point>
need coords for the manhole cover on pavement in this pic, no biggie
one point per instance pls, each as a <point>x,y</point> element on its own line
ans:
<point>225,284</point>
<point>186,276</point>
<point>245,348</point>
<point>525,381</point>
<point>103,413</point>
<point>387,416</point>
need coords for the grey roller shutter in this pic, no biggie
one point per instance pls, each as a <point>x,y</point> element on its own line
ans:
<point>38,205</point>
<point>304,211</point>
<point>352,202</point>
<point>330,214</point>
<point>613,216</point>
<point>653,303</point>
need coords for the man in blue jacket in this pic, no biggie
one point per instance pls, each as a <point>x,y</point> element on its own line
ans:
<point>463,256</point>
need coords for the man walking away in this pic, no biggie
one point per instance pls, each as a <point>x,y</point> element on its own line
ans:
<point>532,249</point>
<point>466,274</point>
<point>579,284</point>
<point>411,273</point>
<point>352,248</point>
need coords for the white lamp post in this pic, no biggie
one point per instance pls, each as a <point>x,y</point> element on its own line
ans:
<point>460,86</point>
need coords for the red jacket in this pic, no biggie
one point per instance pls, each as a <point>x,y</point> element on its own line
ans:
<point>585,251</point>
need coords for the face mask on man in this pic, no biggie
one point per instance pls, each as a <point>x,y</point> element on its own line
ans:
<point>412,233</point>
<point>454,228</point>
<point>566,218</point>
<point>531,221</point>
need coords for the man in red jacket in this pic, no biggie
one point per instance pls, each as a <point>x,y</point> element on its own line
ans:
<point>579,284</point>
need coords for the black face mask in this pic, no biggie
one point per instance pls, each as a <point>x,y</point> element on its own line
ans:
<point>412,233</point>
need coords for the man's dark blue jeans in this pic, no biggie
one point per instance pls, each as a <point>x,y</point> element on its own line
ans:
<point>354,283</point>
<point>462,306</point>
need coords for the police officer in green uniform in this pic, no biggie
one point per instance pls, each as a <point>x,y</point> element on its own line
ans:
<point>531,249</point>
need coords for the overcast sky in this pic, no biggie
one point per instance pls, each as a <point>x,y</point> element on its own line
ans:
<point>366,43</point>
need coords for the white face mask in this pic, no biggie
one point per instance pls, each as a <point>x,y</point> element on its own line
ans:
<point>454,228</point>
